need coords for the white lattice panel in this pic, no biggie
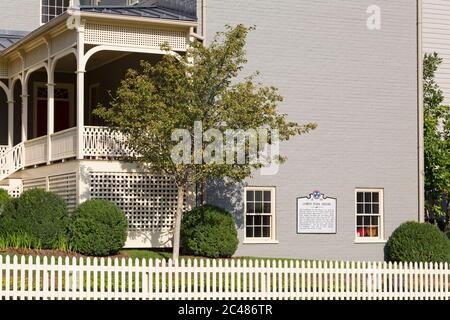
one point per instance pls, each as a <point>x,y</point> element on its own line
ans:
<point>3,70</point>
<point>135,36</point>
<point>40,183</point>
<point>150,202</point>
<point>14,187</point>
<point>65,186</point>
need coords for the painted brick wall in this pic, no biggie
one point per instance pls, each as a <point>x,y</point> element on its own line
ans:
<point>21,15</point>
<point>360,87</point>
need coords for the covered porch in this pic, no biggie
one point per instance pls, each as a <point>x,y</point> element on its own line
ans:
<point>52,80</point>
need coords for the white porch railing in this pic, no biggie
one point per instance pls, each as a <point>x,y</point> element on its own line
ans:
<point>98,142</point>
<point>64,144</point>
<point>50,278</point>
<point>36,151</point>
<point>11,161</point>
<point>102,142</point>
<point>3,149</point>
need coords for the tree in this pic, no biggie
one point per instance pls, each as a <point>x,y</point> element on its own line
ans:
<point>436,145</point>
<point>201,86</point>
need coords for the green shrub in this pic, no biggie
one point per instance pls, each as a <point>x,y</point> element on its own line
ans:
<point>209,231</point>
<point>41,216</point>
<point>418,242</point>
<point>98,228</point>
<point>4,199</point>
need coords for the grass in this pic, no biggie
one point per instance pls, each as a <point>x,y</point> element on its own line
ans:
<point>160,254</point>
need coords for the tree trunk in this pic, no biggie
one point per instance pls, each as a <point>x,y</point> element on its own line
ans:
<point>177,226</point>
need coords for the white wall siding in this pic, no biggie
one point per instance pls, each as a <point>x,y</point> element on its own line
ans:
<point>22,15</point>
<point>436,38</point>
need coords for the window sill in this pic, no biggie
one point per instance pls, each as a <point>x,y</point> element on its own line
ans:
<point>260,241</point>
<point>368,241</point>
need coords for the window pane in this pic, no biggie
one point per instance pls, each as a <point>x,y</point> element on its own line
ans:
<point>366,220</point>
<point>375,208</point>
<point>250,195</point>
<point>249,220</point>
<point>258,220</point>
<point>249,232</point>
<point>375,197</point>
<point>374,221</point>
<point>258,207</point>
<point>257,232</point>
<point>359,208</point>
<point>367,208</point>
<point>258,195</point>
<point>367,196</point>
<point>267,196</point>
<point>250,207</point>
<point>359,220</point>
<point>266,220</point>
<point>372,232</point>
<point>267,207</point>
<point>359,197</point>
<point>266,232</point>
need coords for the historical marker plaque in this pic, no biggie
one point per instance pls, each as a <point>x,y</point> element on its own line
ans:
<point>316,214</point>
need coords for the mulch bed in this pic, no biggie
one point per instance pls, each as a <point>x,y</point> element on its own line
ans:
<point>52,253</point>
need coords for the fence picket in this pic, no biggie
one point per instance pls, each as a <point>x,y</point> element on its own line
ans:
<point>22,277</point>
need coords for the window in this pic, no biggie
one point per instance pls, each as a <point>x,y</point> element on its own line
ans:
<point>259,214</point>
<point>52,8</point>
<point>369,214</point>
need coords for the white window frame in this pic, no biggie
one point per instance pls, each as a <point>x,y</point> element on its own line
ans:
<point>272,238</point>
<point>380,237</point>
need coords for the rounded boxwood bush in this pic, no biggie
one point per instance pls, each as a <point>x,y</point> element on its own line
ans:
<point>39,214</point>
<point>209,231</point>
<point>98,228</point>
<point>418,242</point>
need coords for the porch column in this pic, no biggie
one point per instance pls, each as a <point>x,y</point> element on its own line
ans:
<point>50,115</point>
<point>80,90</point>
<point>11,123</point>
<point>24,97</point>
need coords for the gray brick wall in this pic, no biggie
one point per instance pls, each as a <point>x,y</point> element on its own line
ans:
<point>22,15</point>
<point>360,86</point>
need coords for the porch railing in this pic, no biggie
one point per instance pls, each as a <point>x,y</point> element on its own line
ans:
<point>3,149</point>
<point>98,142</point>
<point>36,151</point>
<point>11,161</point>
<point>64,144</point>
<point>102,142</point>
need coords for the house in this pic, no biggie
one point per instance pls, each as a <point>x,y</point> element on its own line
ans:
<point>345,187</point>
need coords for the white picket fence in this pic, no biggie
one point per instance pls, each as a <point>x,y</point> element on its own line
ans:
<point>50,278</point>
